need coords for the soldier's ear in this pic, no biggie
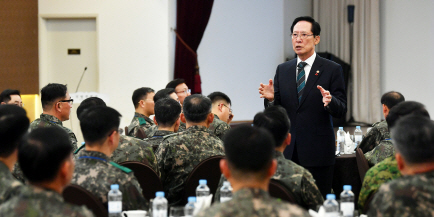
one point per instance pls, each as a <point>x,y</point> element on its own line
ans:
<point>272,168</point>
<point>182,117</point>
<point>224,168</point>
<point>401,163</point>
<point>155,121</point>
<point>210,118</point>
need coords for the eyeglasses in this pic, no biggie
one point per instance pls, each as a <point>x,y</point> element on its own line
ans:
<point>70,101</point>
<point>301,35</point>
<point>230,110</point>
<point>185,91</point>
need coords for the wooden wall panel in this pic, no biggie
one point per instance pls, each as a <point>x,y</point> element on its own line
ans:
<point>19,46</point>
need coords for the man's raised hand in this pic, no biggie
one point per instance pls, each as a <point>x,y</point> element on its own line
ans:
<point>326,97</point>
<point>267,90</point>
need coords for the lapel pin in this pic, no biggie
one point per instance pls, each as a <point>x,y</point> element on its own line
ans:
<point>317,72</point>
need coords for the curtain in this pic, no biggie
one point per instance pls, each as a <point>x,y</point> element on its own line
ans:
<point>191,20</point>
<point>335,39</point>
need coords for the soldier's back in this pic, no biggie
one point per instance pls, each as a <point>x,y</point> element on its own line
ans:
<point>37,202</point>
<point>384,150</point>
<point>9,186</point>
<point>253,203</point>
<point>94,172</point>
<point>372,139</point>
<point>406,196</point>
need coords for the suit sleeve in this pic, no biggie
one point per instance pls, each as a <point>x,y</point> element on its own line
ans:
<point>276,91</point>
<point>338,105</point>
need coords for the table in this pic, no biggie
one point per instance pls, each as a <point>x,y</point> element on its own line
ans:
<point>346,173</point>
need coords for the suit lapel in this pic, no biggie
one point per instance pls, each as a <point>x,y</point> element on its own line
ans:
<point>311,80</point>
<point>292,79</point>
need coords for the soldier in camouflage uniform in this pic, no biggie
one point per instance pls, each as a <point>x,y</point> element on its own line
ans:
<point>379,174</point>
<point>46,159</point>
<point>412,194</point>
<point>180,153</point>
<point>13,124</point>
<point>245,168</point>
<point>295,178</point>
<point>380,131</point>
<point>221,108</point>
<point>94,171</point>
<point>143,100</point>
<point>382,151</point>
<point>167,112</point>
<point>56,106</point>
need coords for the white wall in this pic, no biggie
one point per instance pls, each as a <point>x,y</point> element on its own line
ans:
<point>134,44</point>
<point>407,49</point>
<point>292,10</point>
<point>242,46</point>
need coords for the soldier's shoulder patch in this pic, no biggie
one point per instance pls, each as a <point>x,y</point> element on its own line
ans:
<point>124,169</point>
<point>142,121</point>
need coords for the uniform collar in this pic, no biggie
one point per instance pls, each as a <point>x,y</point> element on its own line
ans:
<point>51,118</point>
<point>162,133</point>
<point>94,154</point>
<point>249,193</point>
<point>197,128</point>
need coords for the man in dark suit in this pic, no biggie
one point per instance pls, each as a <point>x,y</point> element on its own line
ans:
<point>311,89</point>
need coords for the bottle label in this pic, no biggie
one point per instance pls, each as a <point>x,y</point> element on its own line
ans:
<point>347,208</point>
<point>331,214</point>
<point>358,138</point>
<point>224,199</point>
<point>115,206</point>
<point>159,213</point>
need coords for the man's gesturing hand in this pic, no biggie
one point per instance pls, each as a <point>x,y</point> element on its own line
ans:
<point>326,97</point>
<point>267,91</point>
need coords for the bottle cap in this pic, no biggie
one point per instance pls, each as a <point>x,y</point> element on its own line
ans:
<point>159,194</point>
<point>331,197</point>
<point>358,127</point>
<point>114,187</point>
<point>341,128</point>
<point>226,183</point>
<point>191,199</point>
<point>202,182</point>
<point>347,187</point>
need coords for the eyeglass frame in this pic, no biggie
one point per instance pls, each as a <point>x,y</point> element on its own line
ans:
<point>70,101</point>
<point>301,35</point>
<point>184,91</point>
<point>230,110</point>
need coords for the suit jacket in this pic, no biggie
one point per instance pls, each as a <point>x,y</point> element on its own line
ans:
<point>311,123</point>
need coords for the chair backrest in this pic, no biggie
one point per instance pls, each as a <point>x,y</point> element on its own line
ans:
<point>148,179</point>
<point>141,133</point>
<point>277,190</point>
<point>362,163</point>
<point>208,169</point>
<point>77,195</point>
<point>126,131</point>
<point>368,203</point>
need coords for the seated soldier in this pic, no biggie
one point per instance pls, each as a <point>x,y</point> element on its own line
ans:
<point>221,108</point>
<point>143,100</point>
<point>248,166</point>
<point>13,125</point>
<point>385,148</point>
<point>93,170</point>
<point>12,97</point>
<point>162,94</point>
<point>167,113</point>
<point>411,194</point>
<point>179,153</point>
<point>387,169</point>
<point>47,162</point>
<point>379,130</point>
<point>129,148</point>
<point>295,178</point>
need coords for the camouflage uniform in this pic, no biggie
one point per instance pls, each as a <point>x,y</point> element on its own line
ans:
<point>372,139</point>
<point>142,121</point>
<point>382,151</point>
<point>132,149</point>
<point>157,137</point>
<point>219,127</point>
<point>48,121</point>
<point>180,153</point>
<point>381,173</point>
<point>296,179</point>
<point>34,201</point>
<point>182,127</point>
<point>253,203</point>
<point>9,186</point>
<point>95,173</point>
<point>406,196</point>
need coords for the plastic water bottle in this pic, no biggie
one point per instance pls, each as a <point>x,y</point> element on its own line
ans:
<point>331,206</point>
<point>225,192</point>
<point>189,207</point>
<point>358,134</point>
<point>347,201</point>
<point>114,201</point>
<point>341,140</point>
<point>202,190</point>
<point>159,205</point>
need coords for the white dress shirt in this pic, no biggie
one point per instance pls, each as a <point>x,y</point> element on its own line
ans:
<point>308,67</point>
